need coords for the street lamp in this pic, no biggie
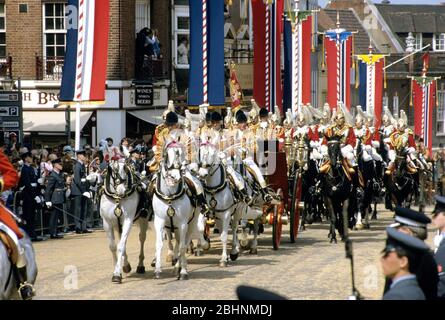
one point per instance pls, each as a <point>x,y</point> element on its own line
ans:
<point>7,84</point>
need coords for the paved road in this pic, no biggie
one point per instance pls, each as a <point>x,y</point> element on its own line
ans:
<point>80,267</point>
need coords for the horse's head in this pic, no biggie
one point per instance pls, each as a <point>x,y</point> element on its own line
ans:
<point>174,157</point>
<point>208,158</point>
<point>118,176</point>
<point>334,153</point>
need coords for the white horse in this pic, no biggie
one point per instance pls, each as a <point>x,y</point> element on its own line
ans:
<point>219,195</point>
<point>8,281</point>
<point>118,208</point>
<point>173,208</point>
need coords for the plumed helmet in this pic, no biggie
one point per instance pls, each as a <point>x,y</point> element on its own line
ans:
<point>241,117</point>
<point>264,113</point>
<point>171,118</point>
<point>216,116</point>
<point>170,108</point>
<point>209,116</point>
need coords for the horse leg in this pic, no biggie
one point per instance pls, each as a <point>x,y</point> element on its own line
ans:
<point>143,226</point>
<point>235,243</point>
<point>159,229</point>
<point>333,218</point>
<point>374,214</point>
<point>344,220</point>
<point>109,230</point>
<point>183,243</point>
<point>225,221</point>
<point>254,245</point>
<point>121,250</point>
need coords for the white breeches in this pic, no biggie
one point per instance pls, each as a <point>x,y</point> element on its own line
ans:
<point>197,184</point>
<point>258,176</point>
<point>237,178</point>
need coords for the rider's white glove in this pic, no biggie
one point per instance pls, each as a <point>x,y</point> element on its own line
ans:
<point>221,155</point>
<point>143,173</point>
<point>144,186</point>
<point>411,150</point>
<point>324,150</point>
<point>367,148</point>
<point>87,194</point>
<point>38,200</point>
<point>48,204</point>
<point>375,144</point>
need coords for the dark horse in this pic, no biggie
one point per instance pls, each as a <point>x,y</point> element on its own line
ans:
<point>401,184</point>
<point>371,172</point>
<point>337,190</point>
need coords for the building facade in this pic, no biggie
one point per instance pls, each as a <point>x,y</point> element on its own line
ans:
<point>32,49</point>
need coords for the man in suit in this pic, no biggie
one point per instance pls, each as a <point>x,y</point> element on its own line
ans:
<point>400,261</point>
<point>79,192</point>
<point>55,196</point>
<point>28,186</point>
<point>439,242</point>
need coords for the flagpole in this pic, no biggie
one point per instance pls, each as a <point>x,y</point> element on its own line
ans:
<point>409,55</point>
<point>77,133</point>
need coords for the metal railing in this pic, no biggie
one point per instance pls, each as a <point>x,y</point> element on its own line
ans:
<point>49,68</point>
<point>6,67</point>
<point>152,69</point>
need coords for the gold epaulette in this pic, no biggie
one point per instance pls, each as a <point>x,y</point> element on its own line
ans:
<point>2,183</point>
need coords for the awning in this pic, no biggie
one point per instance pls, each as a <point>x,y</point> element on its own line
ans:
<point>46,121</point>
<point>153,116</point>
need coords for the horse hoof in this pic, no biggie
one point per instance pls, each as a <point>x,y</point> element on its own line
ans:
<point>127,268</point>
<point>254,251</point>
<point>223,264</point>
<point>206,245</point>
<point>140,270</point>
<point>116,279</point>
<point>174,262</point>
<point>157,275</point>
<point>333,240</point>
<point>233,256</point>
<point>198,253</point>
<point>184,277</point>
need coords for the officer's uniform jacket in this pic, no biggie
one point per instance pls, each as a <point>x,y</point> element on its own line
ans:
<point>401,139</point>
<point>407,289</point>
<point>79,184</point>
<point>28,180</point>
<point>55,189</point>
<point>345,135</point>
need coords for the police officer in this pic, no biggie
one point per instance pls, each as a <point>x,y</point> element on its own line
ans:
<point>400,262</point>
<point>28,185</point>
<point>439,242</point>
<point>55,196</point>
<point>79,192</point>
<point>415,224</point>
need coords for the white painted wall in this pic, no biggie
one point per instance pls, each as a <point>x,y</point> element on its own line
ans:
<point>111,123</point>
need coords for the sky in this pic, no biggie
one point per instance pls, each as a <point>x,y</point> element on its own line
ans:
<point>322,3</point>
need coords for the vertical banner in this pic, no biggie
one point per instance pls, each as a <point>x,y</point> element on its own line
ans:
<point>267,32</point>
<point>424,100</point>
<point>85,68</point>
<point>371,84</point>
<point>206,73</point>
<point>338,44</point>
<point>298,45</point>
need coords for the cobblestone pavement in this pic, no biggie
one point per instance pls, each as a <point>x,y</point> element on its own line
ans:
<point>80,267</point>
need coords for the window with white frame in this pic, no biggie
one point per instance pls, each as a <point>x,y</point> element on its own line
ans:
<point>418,44</point>
<point>2,30</point>
<point>181,45</point>
<point>142,14</point>
<point>54,38</point>
<point>54,29</point>
<point>440,113</point>
<point>439,42</point>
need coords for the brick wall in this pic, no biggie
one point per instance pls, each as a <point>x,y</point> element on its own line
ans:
<point>121,43</point>
<point>24,36</point>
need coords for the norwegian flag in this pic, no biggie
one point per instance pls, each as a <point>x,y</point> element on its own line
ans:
<point>338,44</point>
<point>267,31</point>
<point>85,69</point>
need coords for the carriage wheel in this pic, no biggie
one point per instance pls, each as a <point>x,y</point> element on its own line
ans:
<point>295,207</point>
<point>277,226</point>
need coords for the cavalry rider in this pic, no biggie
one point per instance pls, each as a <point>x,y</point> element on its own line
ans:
<point>424,155</point>
<point>344,133</point>
<point>363,133</point>
<point>9,179</point>
<point>402,139</point>
<point>243,137</point>
<point>171,124</point>
<point>303,134</point>
<point>388,128</point>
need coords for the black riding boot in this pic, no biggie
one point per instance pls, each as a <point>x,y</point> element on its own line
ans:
<point>26,290</point>
<point>203,203</point>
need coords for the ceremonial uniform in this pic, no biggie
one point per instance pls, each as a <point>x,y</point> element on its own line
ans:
<point>347,138</point>
<point>439,242</point>
<point>55,198</point>
<point>78,188</point>
<point>29,193</point>
<point>9,179</point>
